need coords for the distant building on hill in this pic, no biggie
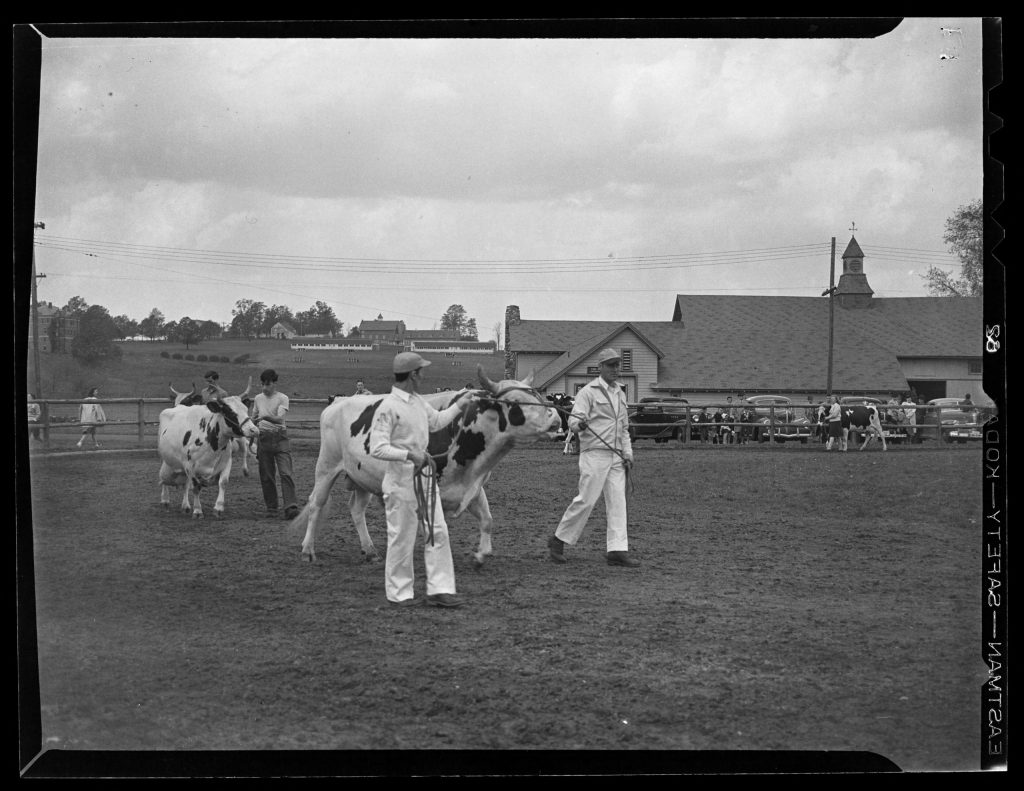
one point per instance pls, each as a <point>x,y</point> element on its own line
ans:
<point>282,330</point>
<point>56,329</point>
<point>381,332</point>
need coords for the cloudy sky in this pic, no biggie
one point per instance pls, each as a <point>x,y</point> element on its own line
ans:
<point>578,178</point>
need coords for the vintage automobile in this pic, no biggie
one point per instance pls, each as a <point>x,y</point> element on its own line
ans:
<point>790,422</point>
<point>658,418</point>
<point>958,423</point>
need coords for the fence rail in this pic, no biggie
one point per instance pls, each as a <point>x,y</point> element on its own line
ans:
<point>304,419</point>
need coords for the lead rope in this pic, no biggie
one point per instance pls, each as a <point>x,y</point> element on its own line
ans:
<point>424,484</point>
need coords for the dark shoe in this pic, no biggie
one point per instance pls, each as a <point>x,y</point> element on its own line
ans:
<point>444,600</point>
<point>405,603</point>
<point>291,513</point>
<point>555,546</point>
<point>621,559</point>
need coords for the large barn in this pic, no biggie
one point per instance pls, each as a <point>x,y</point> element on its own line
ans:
<point>718,346</point>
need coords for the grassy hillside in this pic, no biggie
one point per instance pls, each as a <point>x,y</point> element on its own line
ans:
<point>142,372</point>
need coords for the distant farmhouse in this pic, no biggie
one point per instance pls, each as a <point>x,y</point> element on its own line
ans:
<point>718,346</point>
<point>282,330</point>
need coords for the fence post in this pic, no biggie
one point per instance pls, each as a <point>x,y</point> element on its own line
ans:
<point>46,425</point>
<point>689,424</point>
<point>142,420</point>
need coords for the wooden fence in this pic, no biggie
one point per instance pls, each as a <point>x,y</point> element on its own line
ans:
<point>133,417</point>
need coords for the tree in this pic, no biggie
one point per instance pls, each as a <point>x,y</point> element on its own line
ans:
<point>324,320</point>
<point>248,318</point>
<point>126,327</point>
<point>469,331</point>
<point>188,331</point>
<point>964,236</point>
<point>210,329</point>
<point>454,318</point>
<point>496,334</point>
<point>354,332</point>
<point>76,307</point>
<point>153,325</point>
<point>95,339</point>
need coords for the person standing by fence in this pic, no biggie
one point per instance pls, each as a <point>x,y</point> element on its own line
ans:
<point>834,420</point>
<point>34,413</point>
<point>91,416</point>
<point>273,452</point>
<point>910,416</point>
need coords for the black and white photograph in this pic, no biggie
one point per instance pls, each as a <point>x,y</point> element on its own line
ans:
<point>464,398</point>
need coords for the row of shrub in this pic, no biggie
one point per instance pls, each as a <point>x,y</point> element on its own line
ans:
<point>202,358</point>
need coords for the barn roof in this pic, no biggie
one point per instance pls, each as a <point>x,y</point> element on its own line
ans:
<point>773,343</point>
<point>380,326</point>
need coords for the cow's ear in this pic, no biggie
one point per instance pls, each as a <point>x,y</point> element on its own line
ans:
<point>215,406</point>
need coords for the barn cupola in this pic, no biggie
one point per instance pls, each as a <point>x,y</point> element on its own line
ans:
<point>853,290</point>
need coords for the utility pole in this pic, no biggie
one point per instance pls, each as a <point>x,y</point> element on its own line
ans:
<point>35,315</point>
<point>831,292</point>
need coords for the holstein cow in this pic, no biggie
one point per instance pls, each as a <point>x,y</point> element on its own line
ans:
<point>860,418</point>
<point>195,445</point>
<point>245,444</point>
<point>508,413</point>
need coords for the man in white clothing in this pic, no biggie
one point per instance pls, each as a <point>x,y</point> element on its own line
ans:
<point>399,435</point>
<point>606,454</point>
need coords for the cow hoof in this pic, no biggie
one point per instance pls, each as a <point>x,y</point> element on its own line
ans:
<point>309,557</point>
<point>371,557</point>
<point>197,516</point>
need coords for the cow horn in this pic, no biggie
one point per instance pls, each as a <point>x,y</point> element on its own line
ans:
<point>487,383</point>
<point>528,381</point>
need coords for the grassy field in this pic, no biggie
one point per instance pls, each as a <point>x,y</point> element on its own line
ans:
<point>143,373</point>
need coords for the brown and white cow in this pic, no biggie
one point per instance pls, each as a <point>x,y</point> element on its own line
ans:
<point>195,444</point>
<point>508,413</point>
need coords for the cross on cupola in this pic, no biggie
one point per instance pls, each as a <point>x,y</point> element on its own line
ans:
<point>853,227</point>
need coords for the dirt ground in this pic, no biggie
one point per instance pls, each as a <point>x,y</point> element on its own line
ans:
<point>788,600</point>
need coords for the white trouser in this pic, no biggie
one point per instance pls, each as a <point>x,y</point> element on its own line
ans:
<point>600,471</point>
<point>400,508</point>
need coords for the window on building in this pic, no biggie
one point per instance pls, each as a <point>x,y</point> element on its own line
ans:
<point>627,360</point>
<point>974,367</point>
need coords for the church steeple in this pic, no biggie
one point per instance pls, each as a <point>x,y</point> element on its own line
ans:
<point>853,290</point>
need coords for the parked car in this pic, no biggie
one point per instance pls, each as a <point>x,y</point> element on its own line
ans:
<point>660,419</point>
<point>958,423</point>
<point>790,421</point>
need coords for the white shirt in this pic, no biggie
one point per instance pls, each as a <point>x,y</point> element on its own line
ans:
<point>275,404</point>
<point>604,408</point>
<point>403,423</point>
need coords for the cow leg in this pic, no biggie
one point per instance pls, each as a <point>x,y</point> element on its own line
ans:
<point>481,509</point>
<point>167,480</point>
<point>197,506</point>
<point>357,503</point>
<point>222,482</point>
<point>315,509</point>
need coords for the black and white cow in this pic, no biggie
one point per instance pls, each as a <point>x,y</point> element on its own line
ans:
<point>508,413</point>
<point>195,445</point>
<point>860,419</point>
<point>247,445</point>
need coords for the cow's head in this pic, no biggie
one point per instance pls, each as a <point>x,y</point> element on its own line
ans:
<point>235,415</point>
<point>507,413</point>
<point>185,399</point>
